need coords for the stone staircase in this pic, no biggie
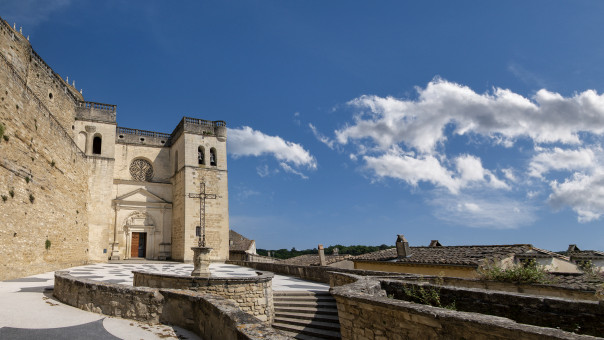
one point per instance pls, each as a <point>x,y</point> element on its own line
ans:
<point>306,315</point>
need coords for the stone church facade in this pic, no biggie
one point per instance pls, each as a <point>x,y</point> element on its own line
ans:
<point>141,183</point>
<point>76,188</point>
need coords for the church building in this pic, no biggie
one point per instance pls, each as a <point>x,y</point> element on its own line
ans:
<point>151,192</point>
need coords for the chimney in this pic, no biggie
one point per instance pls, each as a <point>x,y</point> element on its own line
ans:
<point>336,251</point>
<point>402,247</point>
<point>435,243</point>
<point>322,255</point>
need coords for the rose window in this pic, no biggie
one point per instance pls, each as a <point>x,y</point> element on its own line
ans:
<point>141,170</point>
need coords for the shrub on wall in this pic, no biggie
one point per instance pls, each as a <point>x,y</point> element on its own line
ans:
<point>528,272</point>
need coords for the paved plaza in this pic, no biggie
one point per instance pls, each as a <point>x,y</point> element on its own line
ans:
<point>29,311</point>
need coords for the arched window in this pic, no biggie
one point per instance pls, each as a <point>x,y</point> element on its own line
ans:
<point>175,162</point>
<point>201,156</point>
<point>213,160</point>
<point>96,145</point>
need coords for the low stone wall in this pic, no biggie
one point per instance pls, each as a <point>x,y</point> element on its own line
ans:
<point>536,289</point>
<point>579,316</point>
<point>365,312</point>
<point>253,294</point>
<point>322,274</point>
<point>209,316</point>
<point>140,303</point>
<point>312,273</point>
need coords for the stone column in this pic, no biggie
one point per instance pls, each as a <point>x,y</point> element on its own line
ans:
<point>201,261</point>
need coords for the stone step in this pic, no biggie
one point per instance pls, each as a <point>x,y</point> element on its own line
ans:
<point>330,326</point>
<point>305,298</point>
<point>306,310</point>
<point>308,316</point>
<point>299,293</point>
<point>319,333</point>
<point>301,336</point>
<point>313,304</point>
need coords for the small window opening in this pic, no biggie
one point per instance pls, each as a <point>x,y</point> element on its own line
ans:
<point>96,145</point>
<point>200,156</point>
<point>50,95</point>
<point>121,136</point>
<point>142,139</point>
<point>213,160</point>
<point>198,231</point>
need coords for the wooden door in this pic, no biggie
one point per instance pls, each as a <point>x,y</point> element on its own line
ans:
<point>134,245</point>
<point>142,245</point>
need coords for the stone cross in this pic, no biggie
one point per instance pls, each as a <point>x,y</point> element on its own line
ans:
<point>202,210</point>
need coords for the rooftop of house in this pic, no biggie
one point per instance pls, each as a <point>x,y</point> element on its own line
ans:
<point>577,254</point>
<point>238,242</point>
<point>313,259</point>
<point>452,255</point>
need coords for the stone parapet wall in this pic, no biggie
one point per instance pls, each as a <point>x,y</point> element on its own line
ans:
<point>312,273</point>
<point>137,303</point>
<point>209,316</point>
<point>365,312</point>
<point>579,316</point>
<point>253,295</point>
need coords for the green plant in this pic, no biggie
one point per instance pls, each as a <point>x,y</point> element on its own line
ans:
<point>4,198</point>
<point>52,163</point>
<point>31,198</point>
<point>2,129</point>
<point>5,137</point>
<point>527,272</point>
<point>592,273</point>
<point>47,244</point>
<point>427,294</point>
<point>27,179</point>
<point>11,192</point>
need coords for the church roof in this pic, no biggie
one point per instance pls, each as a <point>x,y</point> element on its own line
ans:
<point>238,242</point>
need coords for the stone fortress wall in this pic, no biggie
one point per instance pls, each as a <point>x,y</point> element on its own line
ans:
<point>43,174</point>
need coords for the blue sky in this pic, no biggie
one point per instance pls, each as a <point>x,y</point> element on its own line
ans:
<point>470,122</point>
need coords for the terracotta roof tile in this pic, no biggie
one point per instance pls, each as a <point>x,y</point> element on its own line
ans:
<point>451,255</point>
<point>238,242</point>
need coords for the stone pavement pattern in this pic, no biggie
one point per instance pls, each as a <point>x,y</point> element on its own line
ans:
<point>29,311</point>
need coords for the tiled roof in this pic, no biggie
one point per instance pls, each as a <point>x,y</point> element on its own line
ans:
<point>576,281</point>
<point>449,255</point>
<point>238,242</point>
<point>586,255</point>
<point>313,259</point>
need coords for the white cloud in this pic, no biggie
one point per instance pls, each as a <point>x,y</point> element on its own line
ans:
<point>291,170</point>
<point>427,168</point>
<point>483,211</point>
<point>501,115</point>
<point>583,193</point>
<point>561,159</point>
<point>322,138</point>
<point>246,141</point>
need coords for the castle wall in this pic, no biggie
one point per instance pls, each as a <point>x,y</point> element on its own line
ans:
<point>43,169</point>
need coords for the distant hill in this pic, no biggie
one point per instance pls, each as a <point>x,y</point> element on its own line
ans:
<point>352,250</point>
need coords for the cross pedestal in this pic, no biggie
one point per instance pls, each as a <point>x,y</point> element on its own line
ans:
<point>201,261</point>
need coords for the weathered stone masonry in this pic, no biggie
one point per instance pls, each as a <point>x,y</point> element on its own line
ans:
<point>43,174</point>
